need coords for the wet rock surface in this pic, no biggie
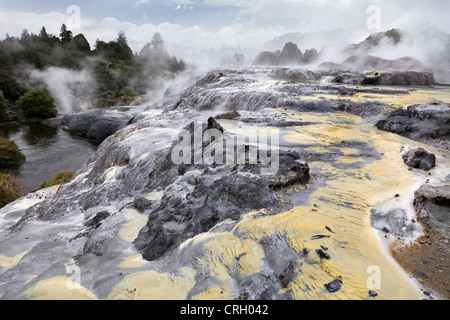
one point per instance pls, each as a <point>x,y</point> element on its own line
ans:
<point>429,123</point>
<point>205,197</point>
<point>221,230</point>
<point>427,259</point>
<point>334,286</point>
<point>395,222</point>
<point>97,125</point>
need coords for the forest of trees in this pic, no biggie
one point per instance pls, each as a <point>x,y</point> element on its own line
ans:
<point>290,55</point>
<point>120,75</point>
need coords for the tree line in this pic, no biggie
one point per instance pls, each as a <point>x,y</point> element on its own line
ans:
<point>290,55</point>
<point>120,75</point>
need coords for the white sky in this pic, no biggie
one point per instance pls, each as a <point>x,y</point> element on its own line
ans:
<point>203,24</point>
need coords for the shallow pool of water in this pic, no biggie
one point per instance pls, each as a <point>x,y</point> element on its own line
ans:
<point>47,149</point>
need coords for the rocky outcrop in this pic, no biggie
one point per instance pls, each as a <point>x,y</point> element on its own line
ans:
<point>404,71</point>
<point>204,197</point>
<point>133,221</point>
<point>419,159</point>
<point>432,204</point>
<point>334,286</point>
<point>293,75</point>
<point>368,62</point>
<point>348,78</point>
<point>405,78</point>
<point>428,123</point>
<point>97,125</point>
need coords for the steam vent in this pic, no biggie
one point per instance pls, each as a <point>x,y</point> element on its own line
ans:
<point>357,199</point>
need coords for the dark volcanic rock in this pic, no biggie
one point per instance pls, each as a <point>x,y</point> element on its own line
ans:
<point>372,294</point>
<point>97,219</point>
<point>293,75</point>
<point>419,159</point>
<point>95,125</point>
<point>197,205</point>
<point>432,204</point>
<point>142,204</point>
<point>399,78</point>
<point>428,123</point>
<point>334,286</point>
<point>348,78</point>
<point>323,255</point>
<point>228,115</point>
<point>213,124</point>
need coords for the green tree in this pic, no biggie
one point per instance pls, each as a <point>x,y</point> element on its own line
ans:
<point>310,56</point>
<point>395,35</point>
<point>291,54</point>
<point>43,34</point>
<point>121,48</point>
<point>37,104</point>
<point>115,51</point>
<point>65,35</point>
<point>25,37</point>
<point>267,58</point>
<point>3,105</point>
<point>158,43</point>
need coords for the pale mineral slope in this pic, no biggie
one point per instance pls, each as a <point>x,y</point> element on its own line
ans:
<point>134,225</point>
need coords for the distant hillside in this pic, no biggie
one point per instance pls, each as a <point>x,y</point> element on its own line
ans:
<point>391,38</point>
<point>425,47</point>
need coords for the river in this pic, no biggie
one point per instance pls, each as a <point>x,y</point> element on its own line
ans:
<point>47,150</point>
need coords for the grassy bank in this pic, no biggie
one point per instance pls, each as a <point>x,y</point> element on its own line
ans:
<point>10,155</point>
<point>61,177</point>
<point>10,188</point>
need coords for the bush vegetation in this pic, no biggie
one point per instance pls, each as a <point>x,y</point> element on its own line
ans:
<point>290,55</point>
<point>37,104</point>
<point>120,74</point>
<point>10,188</point>
<point>10,155</point>
<point>61,177</point>
<point>3,105</point>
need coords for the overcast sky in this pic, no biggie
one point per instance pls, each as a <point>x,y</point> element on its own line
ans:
<point>212,23</point>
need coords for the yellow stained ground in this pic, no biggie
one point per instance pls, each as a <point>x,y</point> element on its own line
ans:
<point>58,288</point>
<point>134,261</point>
<point>344,205</point>
<point>151,285</point>
<point>11,262</point>
<point>401,100</point>
<point>130,231</point>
